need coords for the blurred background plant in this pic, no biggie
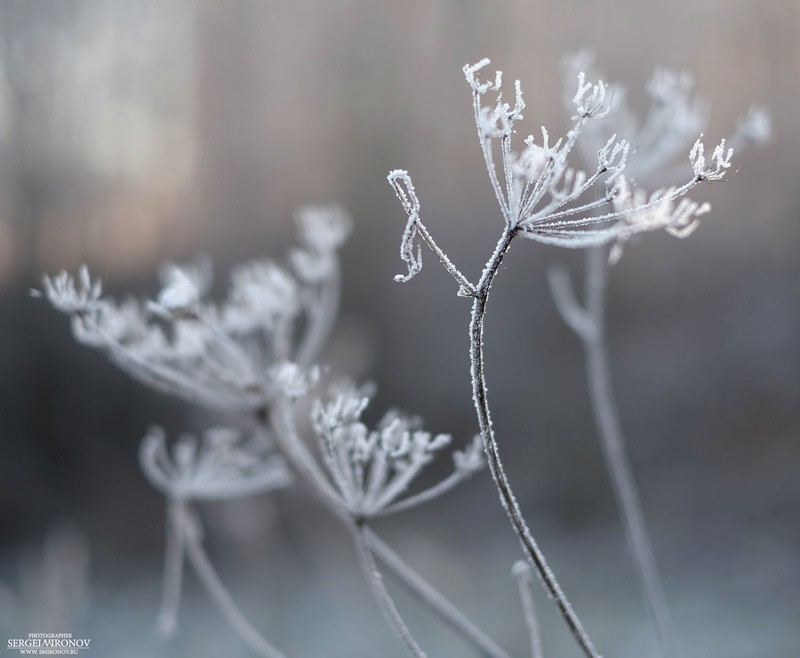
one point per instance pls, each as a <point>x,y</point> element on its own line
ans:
<point>132,133</point>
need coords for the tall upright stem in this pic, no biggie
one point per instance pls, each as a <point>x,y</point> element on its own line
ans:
<point>480,398</point>
<point>604,408</point>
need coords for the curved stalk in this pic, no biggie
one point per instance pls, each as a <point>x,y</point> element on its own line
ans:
<point>479,394</point>
<point>216,590</point>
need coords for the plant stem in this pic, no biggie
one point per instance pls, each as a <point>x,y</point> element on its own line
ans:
<point>604,408</point>
<point>219,594</point>
<point>166,621</point>
<point>479,394</point>
<point>384,600</point>
<point>432,598</point>
<point>522,571</point>
<point>301,459</point>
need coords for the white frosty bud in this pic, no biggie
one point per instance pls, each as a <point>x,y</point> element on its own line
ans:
<point>756,126</point>
<point>262,294</point>
<point>292,380</point>
<point>67,296</point>
<point>325,228</point>
<point>590,99</point>
<point>470,459</point>
<point>720,161</point>
<point>183,286</point>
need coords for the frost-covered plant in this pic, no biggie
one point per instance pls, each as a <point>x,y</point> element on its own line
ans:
<point>216,468</point>
<point>254,353</point>
<point>220,356</point>
<point>673,119</point>
<point>371,469</point>
<point>543,198</point>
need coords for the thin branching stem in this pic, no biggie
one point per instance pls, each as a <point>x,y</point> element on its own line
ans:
<point>425,495</point>
<point>465,284</point>
<point>216,590</point>
<point>480,398</point>
<point>423,590</point>
<point>291,444</point>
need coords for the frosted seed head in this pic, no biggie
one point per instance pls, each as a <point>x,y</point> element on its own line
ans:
<point>323,228</point>
<point>670,87</point>
<point>67,295</point>
<point>590,99</point>
<point>291,380</point>
<point>262,295</point>
<point>756,127</point>
<point>470,459</point>
<point>344,404</point>
<point>716,169</point>
<point>183,286</point>
<point>217,467</point>
<point>471,73</point>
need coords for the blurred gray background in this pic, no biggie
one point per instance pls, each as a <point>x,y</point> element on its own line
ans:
<point>133,132</point>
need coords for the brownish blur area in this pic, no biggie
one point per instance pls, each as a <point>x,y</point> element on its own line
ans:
<point>134,132</point>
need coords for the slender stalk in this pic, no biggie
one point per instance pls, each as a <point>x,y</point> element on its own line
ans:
<point>522,571</point>
<point>480,398</point>
<point>320,317</point>
<point>295,450</point>
<point>382,597</point>
<point>422,589</point>
<point>166,622</point>
<point>604,408</point>
<point>219,594</point>
<point>466,286</point>
<point>424,496</point>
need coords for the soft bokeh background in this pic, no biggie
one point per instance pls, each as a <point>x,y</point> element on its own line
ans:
<point>132,132</point>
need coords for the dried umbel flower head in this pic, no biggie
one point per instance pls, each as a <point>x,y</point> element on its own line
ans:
<point>372,468</point>
<point>221,356</point>
<point>69,295</point>
<point>215,467</point>
<point>542,197</point>
<point>182,289</point>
